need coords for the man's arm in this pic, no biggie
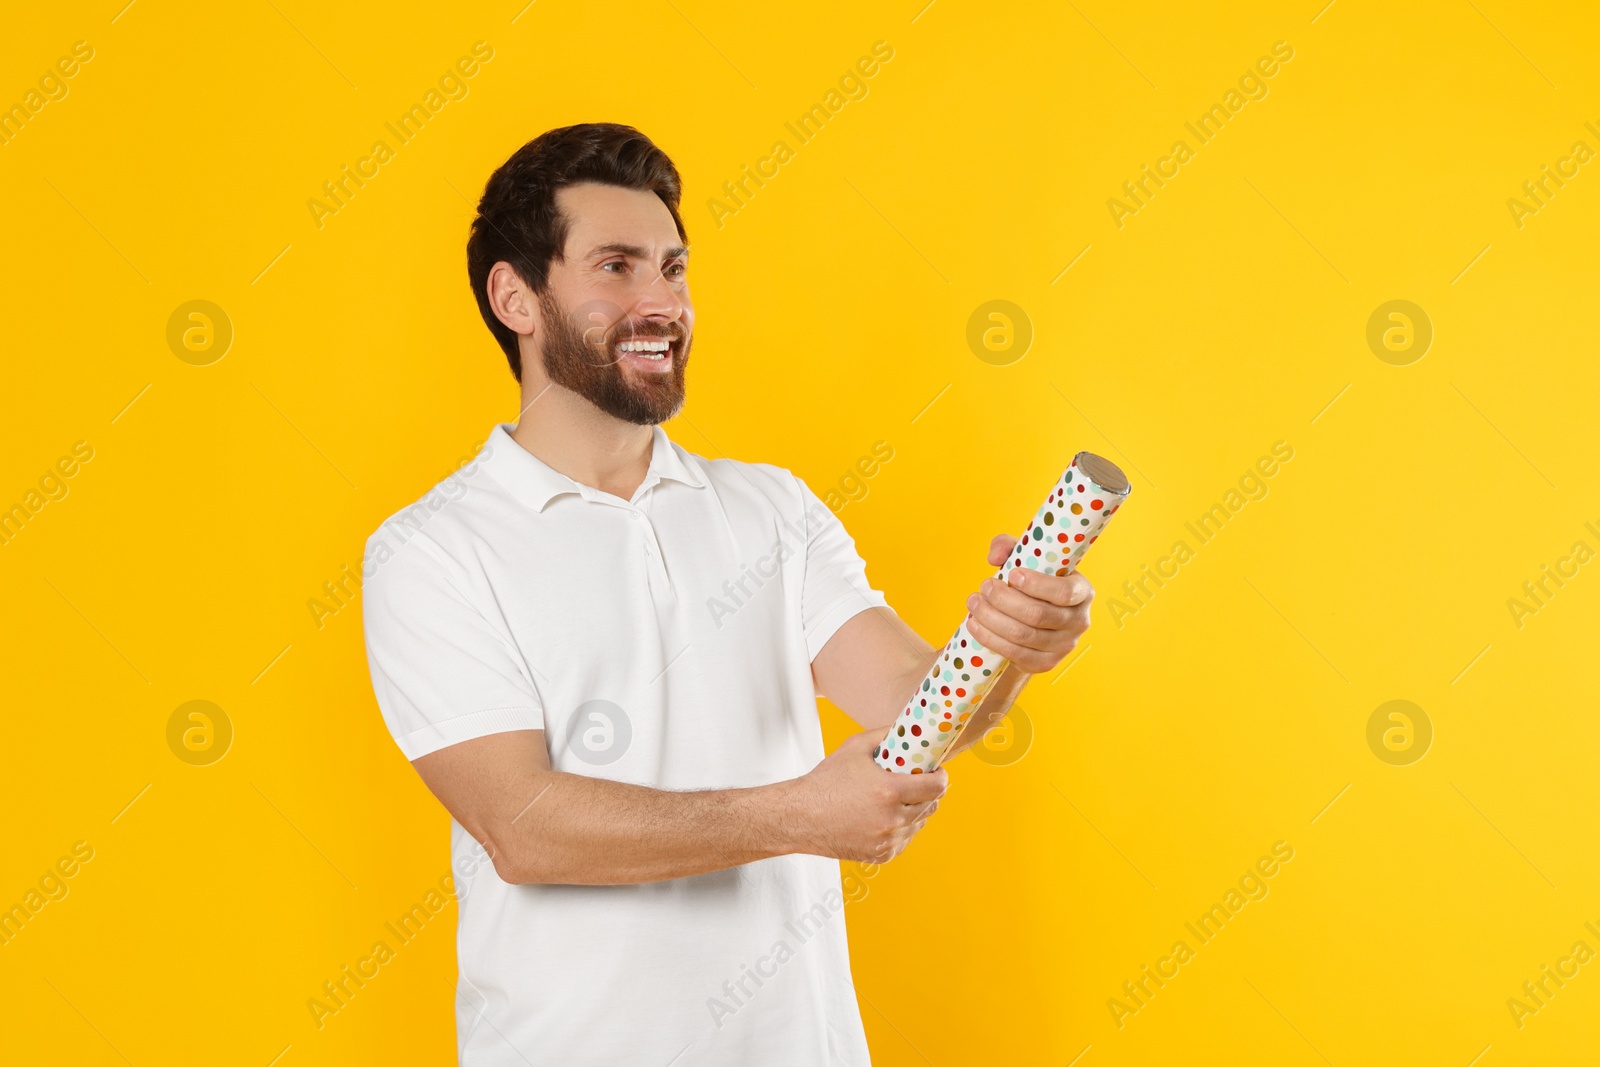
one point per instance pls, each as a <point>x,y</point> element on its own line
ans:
<point>873,664</point>
<point>547,826</point>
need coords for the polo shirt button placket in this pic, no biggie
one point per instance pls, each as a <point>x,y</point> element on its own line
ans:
<point>660,584</point>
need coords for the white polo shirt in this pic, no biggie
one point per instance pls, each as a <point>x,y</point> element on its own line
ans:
<point>665,641</point>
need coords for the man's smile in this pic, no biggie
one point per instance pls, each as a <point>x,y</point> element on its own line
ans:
<point>653,354</point>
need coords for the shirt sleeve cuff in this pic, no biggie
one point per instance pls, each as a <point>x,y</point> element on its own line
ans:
<point>434,736</point>
<point>837,614</point>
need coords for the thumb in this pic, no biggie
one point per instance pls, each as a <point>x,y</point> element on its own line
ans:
<point>866,741</point>
<point>1000,548</point>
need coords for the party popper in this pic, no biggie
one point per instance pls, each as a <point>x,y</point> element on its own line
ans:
<point>1071,519</point>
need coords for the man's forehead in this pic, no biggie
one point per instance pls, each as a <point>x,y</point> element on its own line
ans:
<point>611,216</point>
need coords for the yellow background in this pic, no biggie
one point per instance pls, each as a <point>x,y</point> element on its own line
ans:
<point>1228,314</point>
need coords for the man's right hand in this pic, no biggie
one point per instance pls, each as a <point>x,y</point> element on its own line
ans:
<point>849,808</point>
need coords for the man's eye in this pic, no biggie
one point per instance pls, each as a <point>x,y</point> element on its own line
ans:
<point>614,263</point>
<point>677,269</point>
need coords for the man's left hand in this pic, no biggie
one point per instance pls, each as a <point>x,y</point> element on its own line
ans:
<point>1033,618</point>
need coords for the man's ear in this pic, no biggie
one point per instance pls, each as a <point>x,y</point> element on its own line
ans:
<point>511,301</point>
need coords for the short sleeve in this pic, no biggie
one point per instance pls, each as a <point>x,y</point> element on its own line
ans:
<point>443,670</point>
<point>835,587</point>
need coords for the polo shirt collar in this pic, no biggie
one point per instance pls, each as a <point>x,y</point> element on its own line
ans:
<point>536,483</point>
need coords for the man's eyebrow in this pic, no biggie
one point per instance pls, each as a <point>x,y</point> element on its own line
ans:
<point>623,248</point>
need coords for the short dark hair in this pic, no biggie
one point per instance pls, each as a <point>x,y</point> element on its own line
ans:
<point>517,217</point>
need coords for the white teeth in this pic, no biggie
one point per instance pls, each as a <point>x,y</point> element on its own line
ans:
<point>655,350</point>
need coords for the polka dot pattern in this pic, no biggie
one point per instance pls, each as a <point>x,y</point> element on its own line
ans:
<point>1070,520</point>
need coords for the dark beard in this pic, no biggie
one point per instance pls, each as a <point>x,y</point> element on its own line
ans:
<point>590,369</point>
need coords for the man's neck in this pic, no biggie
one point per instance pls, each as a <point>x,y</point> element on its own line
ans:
<point>572,436</point>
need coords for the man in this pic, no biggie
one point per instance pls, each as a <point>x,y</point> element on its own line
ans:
<point>602,655</point>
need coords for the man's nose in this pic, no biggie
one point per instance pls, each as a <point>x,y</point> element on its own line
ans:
<point>659,298</point>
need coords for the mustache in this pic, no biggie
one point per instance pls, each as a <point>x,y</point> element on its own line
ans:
<point>594,333</point>
<point>647,332</point>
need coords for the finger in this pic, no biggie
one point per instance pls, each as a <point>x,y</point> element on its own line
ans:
<point>912,812</point>
<point>865,743</point>
<point>1000,548</point>
<point>1031,660</point>
<point>1059,601</point>
<point>1063,590</point>
<point>998,613</point>
<point>921,788</point>
<point>1026,608</point>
